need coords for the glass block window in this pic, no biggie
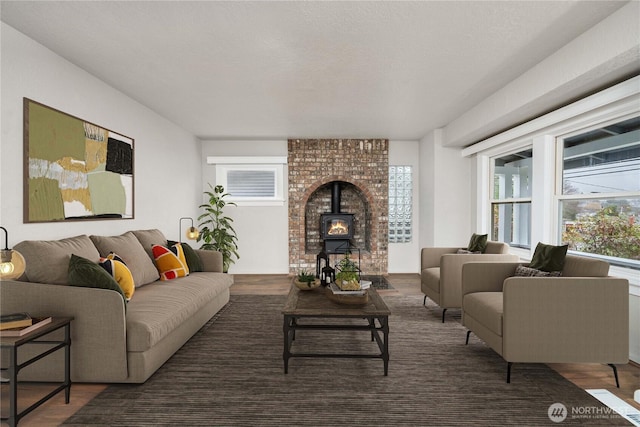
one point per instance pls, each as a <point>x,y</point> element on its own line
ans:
<point>400,204</point>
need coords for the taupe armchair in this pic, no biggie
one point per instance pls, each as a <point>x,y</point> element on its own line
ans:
<point>441,272</point>
<point>581,317</point>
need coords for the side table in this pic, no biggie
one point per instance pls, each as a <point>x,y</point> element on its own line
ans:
<point>14,343</point>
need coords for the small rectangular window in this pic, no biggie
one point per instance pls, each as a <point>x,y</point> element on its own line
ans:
<point>251,181</point>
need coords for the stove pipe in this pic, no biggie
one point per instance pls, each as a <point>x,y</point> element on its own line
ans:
<point>335,197</point>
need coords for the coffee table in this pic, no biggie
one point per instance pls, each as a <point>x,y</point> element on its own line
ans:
<point>315,304</point>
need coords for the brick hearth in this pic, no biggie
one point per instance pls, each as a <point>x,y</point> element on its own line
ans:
<point>362,165</point>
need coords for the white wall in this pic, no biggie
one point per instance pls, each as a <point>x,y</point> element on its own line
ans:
<point>634,330</point>
<point>167,158</point>
<point>445,194</point>
<point>405,257</point>
<point>263,232</point>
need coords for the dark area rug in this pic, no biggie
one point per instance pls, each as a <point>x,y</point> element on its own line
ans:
<point>231,373</point>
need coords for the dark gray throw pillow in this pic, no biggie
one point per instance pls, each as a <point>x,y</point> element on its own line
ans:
<point>549,257</point>
<point>478,243</point>
<point>523,271</point>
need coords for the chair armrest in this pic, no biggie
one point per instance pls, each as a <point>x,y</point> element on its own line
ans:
<point>430,257</point>
<point>482,276</point>
<point>211,260</point>
<point>566,320</point>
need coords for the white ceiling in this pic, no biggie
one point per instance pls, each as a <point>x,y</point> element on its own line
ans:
<point>252,70</point>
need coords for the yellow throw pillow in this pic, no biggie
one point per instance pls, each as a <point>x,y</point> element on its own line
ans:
<point>116,267</point>
<point>171,262</point>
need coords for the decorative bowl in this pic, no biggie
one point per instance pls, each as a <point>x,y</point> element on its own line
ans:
<point>306,286</point>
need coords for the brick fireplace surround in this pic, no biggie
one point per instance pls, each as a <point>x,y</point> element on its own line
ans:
<point>362,167</point>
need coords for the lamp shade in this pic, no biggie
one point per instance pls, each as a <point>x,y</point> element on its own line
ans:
<point>12,265</point>
<point>192,233</point>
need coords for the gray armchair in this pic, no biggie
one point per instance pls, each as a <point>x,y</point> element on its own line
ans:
<point>441,272</point>
<point>580,317</point>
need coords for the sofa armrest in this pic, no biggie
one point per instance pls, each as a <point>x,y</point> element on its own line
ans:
<point>430,257</point>
<point>480,276</point>
<point>566,320</point>
<point>211,260</point>
<point>98,331</point>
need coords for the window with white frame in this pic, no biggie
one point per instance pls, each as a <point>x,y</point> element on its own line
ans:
<point>400,204</point>
<point>599,193</point>
<point>251,181</point>
<point>511,198</point>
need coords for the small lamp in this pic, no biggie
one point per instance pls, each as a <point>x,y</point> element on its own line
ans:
<point>192,232</point>
<point>12,263</point>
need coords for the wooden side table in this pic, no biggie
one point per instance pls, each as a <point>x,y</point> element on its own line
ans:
<point>14,343</point>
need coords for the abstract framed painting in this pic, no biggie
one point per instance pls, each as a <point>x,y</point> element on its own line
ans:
<point>74,170</point>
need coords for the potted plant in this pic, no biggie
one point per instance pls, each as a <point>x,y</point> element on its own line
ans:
<point>216,231</point>
<point>305,281</point>
<point>348,274</point>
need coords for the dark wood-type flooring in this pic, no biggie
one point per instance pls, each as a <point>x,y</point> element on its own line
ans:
<point>54,412</point>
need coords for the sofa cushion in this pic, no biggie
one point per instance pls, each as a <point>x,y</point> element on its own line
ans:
<point>160,307</point>
<point>477,243</point>
<point>170,261</point>
<point>523,271</point>
<point>88,274</point>
<point>115,266</point>
<point>548,257</point>
<point>148,238</point>
<point>47,261</point>
<point>486,308</point>
<point>129,248</point>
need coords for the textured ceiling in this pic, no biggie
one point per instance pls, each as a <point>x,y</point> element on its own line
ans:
<point>306,69</point>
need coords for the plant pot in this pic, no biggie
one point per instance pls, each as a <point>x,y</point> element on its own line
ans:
<point>306,286</point>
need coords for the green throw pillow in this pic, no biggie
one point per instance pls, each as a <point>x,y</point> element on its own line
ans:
<point>478,243</point>
<point>193,259</point>
<point>548,257</point>
<point>83,272</point>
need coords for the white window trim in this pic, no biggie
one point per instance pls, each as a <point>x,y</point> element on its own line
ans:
<point>224,164</point>
<point>612,104</point>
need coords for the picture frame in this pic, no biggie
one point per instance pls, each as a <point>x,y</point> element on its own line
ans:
<point>74,170</point>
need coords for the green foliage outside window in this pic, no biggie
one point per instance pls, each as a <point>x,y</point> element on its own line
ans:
<point>608,232</point>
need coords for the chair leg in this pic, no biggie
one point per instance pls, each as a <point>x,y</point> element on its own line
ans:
<point>444,310</point>
<point>509,372</point>
<point>467,342</point>
<point>615,374</point>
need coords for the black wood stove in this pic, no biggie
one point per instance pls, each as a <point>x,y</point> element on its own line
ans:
<point>336,228</point>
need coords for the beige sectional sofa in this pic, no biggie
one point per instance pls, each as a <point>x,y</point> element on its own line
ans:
<point>114,341</point>
<point>580,317</point>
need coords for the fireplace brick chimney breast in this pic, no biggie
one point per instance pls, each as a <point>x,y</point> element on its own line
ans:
<point>362,167</point>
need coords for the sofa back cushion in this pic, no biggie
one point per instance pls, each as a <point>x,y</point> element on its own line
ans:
<point>577,266</point>
<point>47,261</point>
<point>129,248</point>
<point>148,238</point>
